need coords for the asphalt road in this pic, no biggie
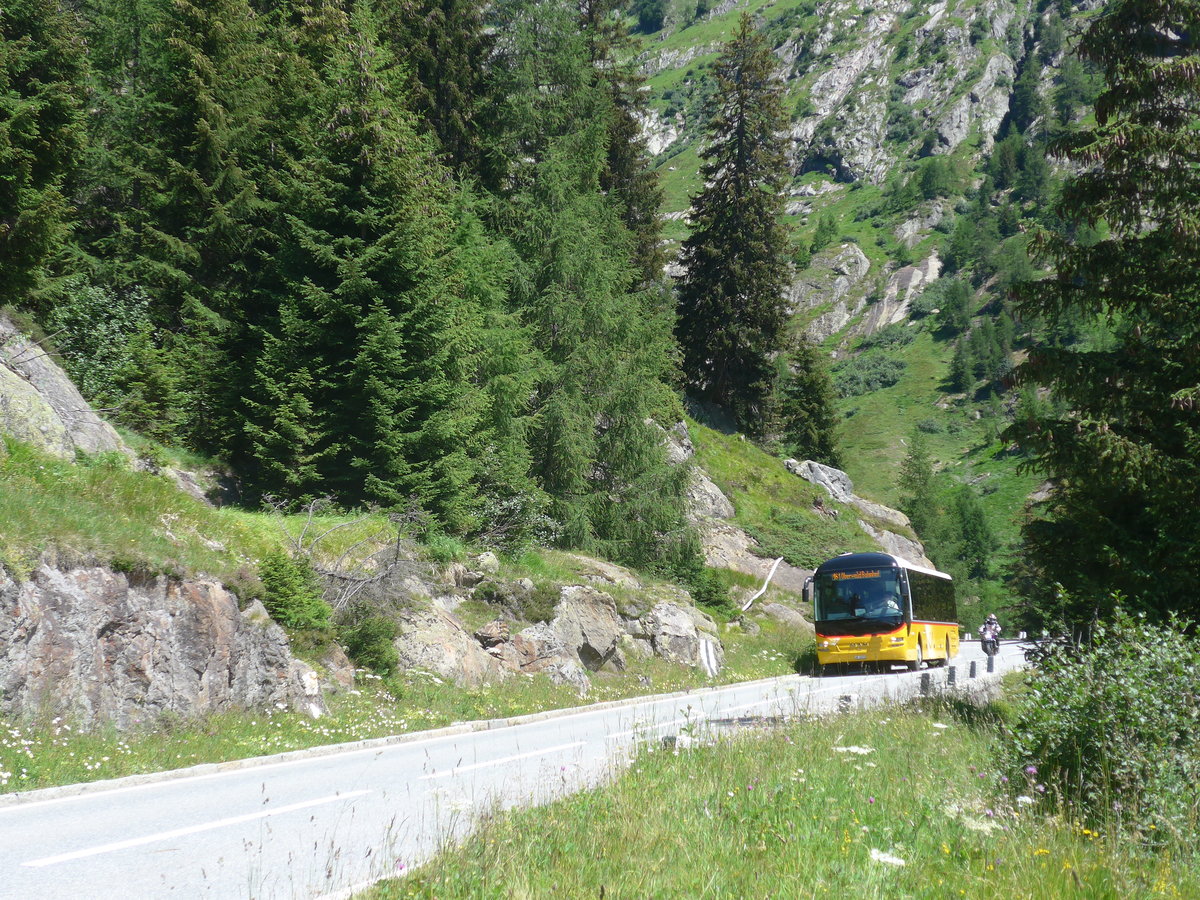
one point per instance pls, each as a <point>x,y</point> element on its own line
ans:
<point>322,823</point>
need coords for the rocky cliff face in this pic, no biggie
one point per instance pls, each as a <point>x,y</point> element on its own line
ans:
<point>99,647</point>
<point>873,89</point>
<point>874,84</point>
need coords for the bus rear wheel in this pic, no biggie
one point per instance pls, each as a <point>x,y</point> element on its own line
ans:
<point>916,663</point>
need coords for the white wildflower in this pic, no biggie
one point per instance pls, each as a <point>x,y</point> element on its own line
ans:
<point>880,856</point>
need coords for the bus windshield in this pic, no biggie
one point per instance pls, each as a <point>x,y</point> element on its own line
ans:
<point>861,594</point>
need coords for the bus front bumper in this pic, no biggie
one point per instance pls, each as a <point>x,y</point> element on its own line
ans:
<point>869,648</point>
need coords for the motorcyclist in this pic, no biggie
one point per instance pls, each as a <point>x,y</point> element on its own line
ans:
<point>989,632</point>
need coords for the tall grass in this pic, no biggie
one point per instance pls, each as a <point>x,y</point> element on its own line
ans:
<point>888,804</point>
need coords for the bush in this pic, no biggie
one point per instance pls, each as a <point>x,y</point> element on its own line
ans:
<point>291,593</point>
<point>1109,728</point>
<point>866,373</point>
<point>711,592</point>
<point>93,326</point>
<point>445,549</point>
<point>892,337</point>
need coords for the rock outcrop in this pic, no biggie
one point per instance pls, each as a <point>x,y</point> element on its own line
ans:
<point>101,647</point>
<point>902,286</point>
<point>872,516</point>
<point>831,291</point>
<point>40,406</point>
<point>433,640</point>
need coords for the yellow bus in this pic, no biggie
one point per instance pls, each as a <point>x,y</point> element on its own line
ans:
<point>875,611</point>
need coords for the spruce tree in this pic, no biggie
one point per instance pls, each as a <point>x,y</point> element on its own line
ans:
<point>41,83</point>
<point>977,542</point>
<point>444,46</point>
<point>172,206</point>
<point>1125,459</point>
<point>917,482</point>
<point>730,315</point>
<point>628,174</point>
<point>807,414</point>
<point>604,360</point>
<point>362,386</point>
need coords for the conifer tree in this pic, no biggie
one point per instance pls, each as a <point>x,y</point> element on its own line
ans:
<point>807,415</point>
<point>977,542</point>
<point>730,315</point>
<point>628,174</point>
<point>444,47</point>
<point>605,351</point>
<point>917,483</point>
<point>173,207</point>
<point>41,81</point>
<point>1124,458</point>
<point>361,389</point>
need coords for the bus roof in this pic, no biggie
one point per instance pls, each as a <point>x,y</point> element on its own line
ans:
<point>866,560</point>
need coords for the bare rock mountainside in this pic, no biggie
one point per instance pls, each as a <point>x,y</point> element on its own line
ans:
<point>873,90</point>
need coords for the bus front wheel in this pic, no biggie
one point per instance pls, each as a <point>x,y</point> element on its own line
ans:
<point>916,663</point>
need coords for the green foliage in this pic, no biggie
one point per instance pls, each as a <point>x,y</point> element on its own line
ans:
<point>1124,457</point>
<point>710,590</point>
<point>892,337</point>
<point>291,592</point>
<point>41,135</point>
<point>916,482</point>
<point>953,299</point>
<point>825,232</point>
<point>1109,728</point>
<point>804,405</point>
<point>368,642</point>
<point>445,549</point>
<point>976,541</point>
<point>866,373</point>
<point>98,333</point>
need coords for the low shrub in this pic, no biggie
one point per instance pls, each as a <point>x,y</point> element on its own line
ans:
<point>291,592</point>
<point>368,641</point>
<point>1108,728</point>
<point>892,337</point>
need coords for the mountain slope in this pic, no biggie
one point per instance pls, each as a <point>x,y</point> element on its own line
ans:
<point>904,119</point>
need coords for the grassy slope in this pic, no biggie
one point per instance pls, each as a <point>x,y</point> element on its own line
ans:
<point>772,504</point>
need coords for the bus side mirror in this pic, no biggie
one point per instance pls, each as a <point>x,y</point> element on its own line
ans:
<point>807,592</point>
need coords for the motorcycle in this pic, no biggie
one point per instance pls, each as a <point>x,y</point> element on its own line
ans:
<point>991,645</point>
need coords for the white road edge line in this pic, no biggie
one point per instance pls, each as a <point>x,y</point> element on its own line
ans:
<point>183,832</point>
<point>501,761</point>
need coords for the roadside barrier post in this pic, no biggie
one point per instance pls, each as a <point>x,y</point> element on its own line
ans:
<point>991,664</point>
<point>972,675</point>
<point>951,675</point>
<point>926,684</point>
